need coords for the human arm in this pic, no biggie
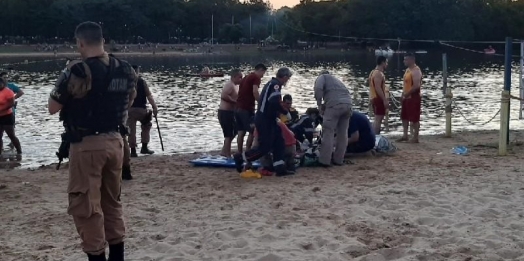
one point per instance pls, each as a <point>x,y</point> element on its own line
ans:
<point>309,129</point>
<point>59,95</point>
<point>228,94</point>
<point>256,85</point>
<point>150,99</point>
<point>354,137</point>
<point>417,81</point>
<point>319,90</point>
<point>16,89</point>
<point>378,81</point>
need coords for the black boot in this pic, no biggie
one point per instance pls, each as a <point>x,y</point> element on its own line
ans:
<point>133,153</point>
<point>239,162</point>
<point>126,173</point>
<point>145,150</point>
<point>116,252</point>
<point>281,171</point>
<point>101,257</point>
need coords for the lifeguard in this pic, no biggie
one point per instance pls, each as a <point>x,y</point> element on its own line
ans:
<point>411,99</point>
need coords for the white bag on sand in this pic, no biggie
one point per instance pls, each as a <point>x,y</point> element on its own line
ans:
<point>383,145</point>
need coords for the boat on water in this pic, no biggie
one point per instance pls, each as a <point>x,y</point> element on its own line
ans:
<point>384,52</point>
<point>490,50</point>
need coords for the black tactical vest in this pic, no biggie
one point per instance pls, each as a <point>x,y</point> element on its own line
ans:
<point>141,97</point>
<point>104,107</point>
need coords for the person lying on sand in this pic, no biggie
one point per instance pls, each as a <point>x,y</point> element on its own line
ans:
<point>360,133</point>
<point>266,162</point>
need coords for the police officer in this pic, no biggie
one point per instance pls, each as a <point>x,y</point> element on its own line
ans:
<point>93,96</point>
<point>139,112</point>
<point>269,133</point>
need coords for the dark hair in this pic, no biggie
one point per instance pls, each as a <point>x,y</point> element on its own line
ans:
<point>90,32</point>
<point>287,97</point>
<point>235,72</point>
<point>135,67</point>
<point>4,73</point>
<point>3,81</point>
<point>310,111</point>
<point>260,67</point>
<point>411,55</point>
<point>381,60</point>
<point>284,72</point>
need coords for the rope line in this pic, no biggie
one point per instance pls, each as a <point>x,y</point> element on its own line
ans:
<point>468,120</point>
<point>476,51</point>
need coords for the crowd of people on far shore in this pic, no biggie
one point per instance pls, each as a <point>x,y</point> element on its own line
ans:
<point>275,130</point>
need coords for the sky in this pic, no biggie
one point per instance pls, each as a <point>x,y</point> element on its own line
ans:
<point>279,3</point>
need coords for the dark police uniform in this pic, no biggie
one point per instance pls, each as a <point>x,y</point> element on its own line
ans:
<point>304,129</point>
<point>269,133</point>
<point>95,96</point>
<point>139,112</point>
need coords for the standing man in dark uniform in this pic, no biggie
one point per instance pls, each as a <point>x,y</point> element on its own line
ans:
<point>93,96</point>
<point>139,112</point>
<point>269,133</point>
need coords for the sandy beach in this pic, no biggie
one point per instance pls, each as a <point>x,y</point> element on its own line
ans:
<point>423,203</point>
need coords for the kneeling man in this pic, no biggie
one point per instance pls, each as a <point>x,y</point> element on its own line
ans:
<point>360,133</point>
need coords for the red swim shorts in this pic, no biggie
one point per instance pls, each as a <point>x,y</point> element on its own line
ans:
<point>411,109</point>
<point>378,107</point>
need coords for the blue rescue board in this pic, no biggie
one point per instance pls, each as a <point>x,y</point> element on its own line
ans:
<point>217,161</point>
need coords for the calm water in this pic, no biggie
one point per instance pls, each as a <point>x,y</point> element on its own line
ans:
<point>188,105</point>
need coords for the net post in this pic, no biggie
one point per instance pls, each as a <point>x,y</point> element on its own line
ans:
<point>447,94</point>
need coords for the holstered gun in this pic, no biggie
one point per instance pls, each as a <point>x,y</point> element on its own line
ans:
<point>63,150</point>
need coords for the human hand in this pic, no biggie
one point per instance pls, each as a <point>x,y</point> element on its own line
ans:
<point>155,111</point>
<point>386,104</point>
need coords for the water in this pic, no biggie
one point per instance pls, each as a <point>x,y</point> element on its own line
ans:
<point>188,105</point>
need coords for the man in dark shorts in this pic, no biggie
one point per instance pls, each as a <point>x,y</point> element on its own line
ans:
<point>245,111</point>
<point>361,137</point>
<point>378,93</point>
<point>226,111</point>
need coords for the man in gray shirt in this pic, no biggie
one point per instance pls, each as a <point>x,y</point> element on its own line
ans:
<point>334,101</point>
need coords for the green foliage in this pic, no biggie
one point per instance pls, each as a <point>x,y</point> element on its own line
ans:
<point>190,20</point>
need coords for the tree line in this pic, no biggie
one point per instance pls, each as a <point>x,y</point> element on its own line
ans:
<point>249,21</point>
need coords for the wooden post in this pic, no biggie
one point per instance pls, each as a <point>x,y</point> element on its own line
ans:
<point>448,109</point>
<point>447,94</point>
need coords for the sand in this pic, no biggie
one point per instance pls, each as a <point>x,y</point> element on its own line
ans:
<point>423,203</point>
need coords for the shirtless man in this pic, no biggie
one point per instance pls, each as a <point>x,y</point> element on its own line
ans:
<point>411,99</point>
<point>377,92</point>
<point>226,111</point>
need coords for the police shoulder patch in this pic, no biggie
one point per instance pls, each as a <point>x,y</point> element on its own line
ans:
<point>276,87</point>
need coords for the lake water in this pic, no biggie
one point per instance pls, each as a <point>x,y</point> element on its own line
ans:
<point>188,105</point>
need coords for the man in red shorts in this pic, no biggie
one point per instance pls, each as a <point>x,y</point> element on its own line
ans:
<point>245,110</point>
<point>411,99</point>
<point>377,92</point>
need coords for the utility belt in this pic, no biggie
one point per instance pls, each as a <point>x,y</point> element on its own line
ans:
<point>76,135</point>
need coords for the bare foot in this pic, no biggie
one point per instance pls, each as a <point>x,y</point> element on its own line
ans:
<point>413,140</point>
<point>225,155</point>
<point>404,138</point>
